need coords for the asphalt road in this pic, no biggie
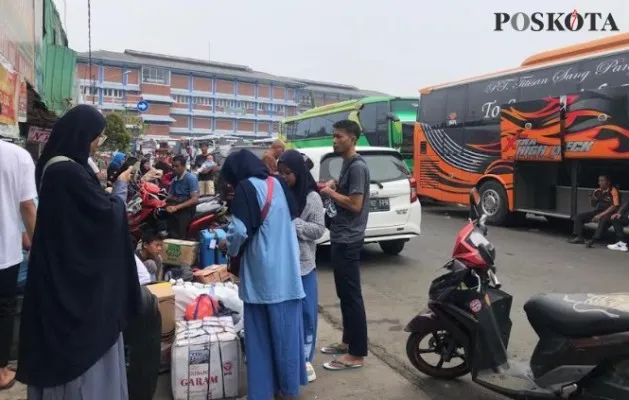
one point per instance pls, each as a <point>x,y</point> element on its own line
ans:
<point>531,259</point>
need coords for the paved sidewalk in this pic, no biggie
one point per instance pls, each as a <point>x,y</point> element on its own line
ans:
<point>375,381</point>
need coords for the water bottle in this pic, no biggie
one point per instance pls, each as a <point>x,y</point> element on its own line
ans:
<point>330,208</point>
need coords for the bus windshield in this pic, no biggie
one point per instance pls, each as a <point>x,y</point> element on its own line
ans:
<point>407,140</point>
<point>406,110</point>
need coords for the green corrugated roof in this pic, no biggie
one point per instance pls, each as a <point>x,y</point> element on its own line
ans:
<point>59,77</point>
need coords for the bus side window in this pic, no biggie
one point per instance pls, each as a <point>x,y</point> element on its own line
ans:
<point>455,119</point>
<point>382,125</point>
<point>288,130</point>
<point>317,127</point>
<point>302,129</point>
<point>432,108</point>
<point>326,123</point>
<point>375,133</point>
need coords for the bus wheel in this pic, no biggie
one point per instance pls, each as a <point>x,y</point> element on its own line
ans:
<point>493,201</point>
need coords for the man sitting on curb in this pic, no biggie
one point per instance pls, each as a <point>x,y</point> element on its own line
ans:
<point>605,201</point>
<point>619,220</point>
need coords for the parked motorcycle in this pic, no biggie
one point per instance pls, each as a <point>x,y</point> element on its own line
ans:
<point>583,348</point>
<point>147,210</point>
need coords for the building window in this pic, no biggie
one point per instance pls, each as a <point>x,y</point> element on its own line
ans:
<point>117,93</point>
<point>181,99</point>
<point>160,76</point>
<point>89,90</point>
<point>202,100</point>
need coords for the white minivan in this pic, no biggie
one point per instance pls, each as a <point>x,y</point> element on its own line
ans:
<point>394,210</point>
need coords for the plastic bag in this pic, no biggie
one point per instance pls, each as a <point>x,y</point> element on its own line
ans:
<point>202,307</point>
<point>227,293</point>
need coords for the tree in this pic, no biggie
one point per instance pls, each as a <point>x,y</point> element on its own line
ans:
<point>118,138</point>
<point>135,122</point>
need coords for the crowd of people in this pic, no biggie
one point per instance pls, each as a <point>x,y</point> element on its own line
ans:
<point>84,285</point>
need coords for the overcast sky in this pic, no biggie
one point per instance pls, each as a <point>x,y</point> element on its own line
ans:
<point>393,46</point>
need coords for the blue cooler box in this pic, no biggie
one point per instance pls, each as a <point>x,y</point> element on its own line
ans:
<point>209,253</point>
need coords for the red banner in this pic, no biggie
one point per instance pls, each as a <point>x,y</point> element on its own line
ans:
<point>8,97</point>
<point>38,135</point>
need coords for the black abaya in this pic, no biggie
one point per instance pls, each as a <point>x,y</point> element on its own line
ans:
<point>82,285</point>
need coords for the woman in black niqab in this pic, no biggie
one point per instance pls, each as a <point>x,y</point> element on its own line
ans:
<point>82,286</point>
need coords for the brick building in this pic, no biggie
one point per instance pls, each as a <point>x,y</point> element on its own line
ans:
<point>190,97</point>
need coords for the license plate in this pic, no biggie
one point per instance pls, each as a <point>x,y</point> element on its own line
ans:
<point>376,205</point>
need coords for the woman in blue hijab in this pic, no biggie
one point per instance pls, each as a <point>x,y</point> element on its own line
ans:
<point>114,166</point>
<point>262,212</point>
<point>310,226</point>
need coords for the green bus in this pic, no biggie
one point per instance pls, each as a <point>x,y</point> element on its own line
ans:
<point>385,122</point>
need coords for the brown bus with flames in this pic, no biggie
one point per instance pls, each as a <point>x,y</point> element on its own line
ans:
<point>531,139</point>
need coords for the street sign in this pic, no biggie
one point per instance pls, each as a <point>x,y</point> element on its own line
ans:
<point>142,106</point>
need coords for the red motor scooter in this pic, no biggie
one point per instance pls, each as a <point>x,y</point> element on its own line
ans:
<point>583,347</point>
<point>147,210</point>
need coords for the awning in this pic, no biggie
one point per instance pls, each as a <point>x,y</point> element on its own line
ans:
<point>157,118</point>
<point>158,98</point>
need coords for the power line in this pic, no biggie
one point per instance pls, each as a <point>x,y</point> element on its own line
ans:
<point>92,90</point>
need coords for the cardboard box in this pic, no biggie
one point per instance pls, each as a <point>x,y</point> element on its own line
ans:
<point>166,298</point>
<point>213,274</point>
<point>180,252</point>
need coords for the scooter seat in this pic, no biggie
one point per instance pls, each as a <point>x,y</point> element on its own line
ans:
<point>207,209</point>
<point>207,199</point>
<point>578,315</point>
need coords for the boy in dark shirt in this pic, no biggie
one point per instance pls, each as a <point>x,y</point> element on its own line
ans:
<point>150,254</point>
<point>605,201</point>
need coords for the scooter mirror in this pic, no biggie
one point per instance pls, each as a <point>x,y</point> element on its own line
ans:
<point>483,220</point>
<point>474,204</point>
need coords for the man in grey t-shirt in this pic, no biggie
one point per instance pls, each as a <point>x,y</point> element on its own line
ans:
<point>350,197</point>
<point>349,226</point>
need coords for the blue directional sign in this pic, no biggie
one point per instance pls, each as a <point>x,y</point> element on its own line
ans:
<point>142,106</point>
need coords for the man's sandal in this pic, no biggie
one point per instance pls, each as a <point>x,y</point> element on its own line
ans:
<point>337,365</point>
<point>335,349</point>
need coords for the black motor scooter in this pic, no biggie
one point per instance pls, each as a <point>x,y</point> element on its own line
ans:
<point>583,348</point>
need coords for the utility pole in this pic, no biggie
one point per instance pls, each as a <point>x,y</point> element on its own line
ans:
<point>92,91</point>
<point>89,39</point>
<point>65,16</point>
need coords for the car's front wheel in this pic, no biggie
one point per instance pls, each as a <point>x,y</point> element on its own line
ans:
<point>392,247</point>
